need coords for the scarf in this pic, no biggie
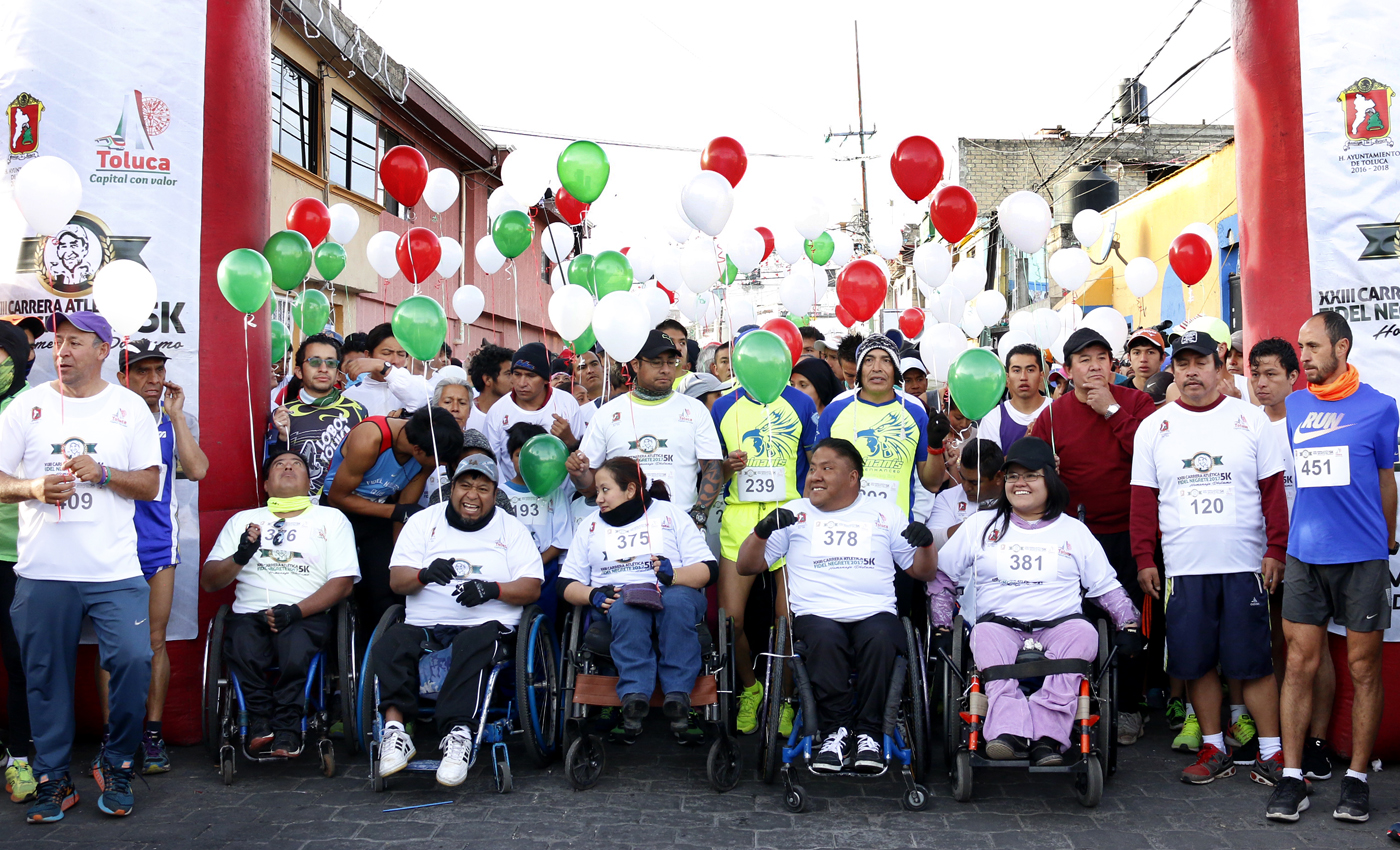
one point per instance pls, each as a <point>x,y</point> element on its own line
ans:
<point>289,504</point>
<point>1348,383</point>
<point>326,400</point>
<point>647,395</point>
<point>460,523</point>
<point>625,513</point>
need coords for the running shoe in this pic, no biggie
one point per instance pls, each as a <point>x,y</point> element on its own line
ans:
<point>1355,802</point>
<point>95,766</point>
<point>1176,713</point>
<point>155,757</point>
<point>1267,771</point>
<point>750,699</point>
<point>259,734</point>
<point>869,757</point>
<point>1188,740</point>
<point>1004,747</point>
<point>456,755</point>
<point>19,781</point>
<point>116,798</point>
<point>1317,759</point>
<point>1212,763</point>
<point>287,744</point>
<point>396,750</point>
<point>1242,732</point>
<point>53,797</point>
<point>832,756</point>
<point>1131,726</point>
<point>1045,752</point>
<point>1289,800</point>
<point>785,720</point>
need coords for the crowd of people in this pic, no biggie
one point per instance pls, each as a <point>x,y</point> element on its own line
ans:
<point>1221,521</point>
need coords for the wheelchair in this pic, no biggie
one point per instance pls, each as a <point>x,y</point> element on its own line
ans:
<point>329,697</point>
<point>526,709</point>
<point>589,686</point>
<point>906,724</point>
<point>1095,722</point>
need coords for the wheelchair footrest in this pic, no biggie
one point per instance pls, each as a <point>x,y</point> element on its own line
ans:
<point>423,765</point>
<point>592,689</point>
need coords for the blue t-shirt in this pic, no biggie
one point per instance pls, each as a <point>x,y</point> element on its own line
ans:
<point>1341,523</point>
<point>157,543</point>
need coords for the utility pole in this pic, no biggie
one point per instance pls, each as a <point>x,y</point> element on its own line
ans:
<point>860,134</point>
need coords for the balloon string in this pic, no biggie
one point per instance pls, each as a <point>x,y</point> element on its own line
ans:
<point>432,431</point>
<point>248,322</point>
<point>58,376</point>
<point>515,284</point>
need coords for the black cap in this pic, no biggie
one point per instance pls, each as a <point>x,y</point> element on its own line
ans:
<point>657,345</point>
<point>1031,453</point>
<point>532,357</point>
<point>1198,342</point>
<point>1082,339</point>
<point>138,350</point>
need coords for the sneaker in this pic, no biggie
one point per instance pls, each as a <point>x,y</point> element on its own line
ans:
<point>287,744</point>
<point>1317,759</point>
<point>676,707</point>
<point>750,699</point>
<point>95,766</point>
<point>1212,763</point>
<point>456,755</point>
<point>1045,752</point>
<point>832,756</point>
<point>52,798</point>
<point>1289,800</point>
<point>694,733</point>
<point>634,710</point>
<point>1188,740</point>
<point>155,758</point>
<point>259,734</point>
<point>1243,738</point>
<point>785,720</point>
<point>19,782</point>
<point>869,757</point>
<point>1131,726</point>
<point>1355,802</point>
<point>116,798</point>
<point>396,750</point>
<point>1004,747</point>
<point>1176,713</point>
<point>1267,771</point>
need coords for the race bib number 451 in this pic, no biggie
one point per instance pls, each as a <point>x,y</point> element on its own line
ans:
<point>1323,466</point>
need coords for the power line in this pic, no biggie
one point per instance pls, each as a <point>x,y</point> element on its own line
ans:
<point>645,146</point>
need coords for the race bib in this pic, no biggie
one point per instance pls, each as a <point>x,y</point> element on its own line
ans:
<point>79,506</point>
<point>762,484</point>
<point>1026,562</point>
<point>624,545</point>
<point>834,538</point>
<point>880,488</point>
<point>1206,504</point>
<point>1323,466</point>
<point>529,508</point>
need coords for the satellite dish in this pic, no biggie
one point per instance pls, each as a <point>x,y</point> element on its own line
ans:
<point>1106,240</point>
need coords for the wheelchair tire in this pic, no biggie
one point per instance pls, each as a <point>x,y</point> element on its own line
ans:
<point>725,676</point>
<point>725,764</point>
<point>214,694</point>
<point>503,780</point>
<point>327,752</point>
<point>365,722</point>
<point>962,777</point>
<point>771,749</point>
<point>585,761</point>
<point>918,692</point>
<point>536,687</point>
<point>1088,786</point>
<point>347,675</point>
<point>1108,705</point>
<point>568,675</point>
<point>226,767</point>
<point>915,799</point>
<point>795,799</point>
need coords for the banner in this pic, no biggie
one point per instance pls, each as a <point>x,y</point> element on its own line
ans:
<point>122,101</point>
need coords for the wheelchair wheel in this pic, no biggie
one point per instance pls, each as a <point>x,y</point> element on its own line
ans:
<point>1088,786</point>
<point>537,686</point>
<point>917,723</point>
<point>503,780</point>
<point>585,761</point>
<point>771,749</point>
<point>367,722</point>
<point>568,732</point>
<point>952,698</point>
<point>725,675</point>
<point>1108,706</point>
<point>347,674</point>
<point>916,799</point>
<point>214,693</point>
<point>962,777</point>
<point>226,767</point>
<point>327,752</point>
<point>725,764</point>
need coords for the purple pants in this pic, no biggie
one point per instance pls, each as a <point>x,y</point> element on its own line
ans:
<point>1049,712</point>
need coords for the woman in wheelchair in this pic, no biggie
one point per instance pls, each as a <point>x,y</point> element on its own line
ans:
<point>1026,562</point>
<point>641,562</point>
<point>466,570</point>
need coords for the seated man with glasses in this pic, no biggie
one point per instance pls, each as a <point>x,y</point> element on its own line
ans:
<point>293,560</point>
<point>315,417</point>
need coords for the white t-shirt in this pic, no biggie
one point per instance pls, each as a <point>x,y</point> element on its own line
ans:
<point>950,508</point>
<point>668,438</point>
<point>294,560</point>
<point>588,410</point>
<point>549,518</point>
<point>502,551</point>
<point>841,564</point>
<point>1242,384</point>
<point>1027,574</point>
<point>92,536</point>
<point>476,420</point>
<point>602,554</point>
<point>1290,486</point>
<point>1206,467</point>
<point>990,427</point>
<point>376,397</point>
<point>505,413</point>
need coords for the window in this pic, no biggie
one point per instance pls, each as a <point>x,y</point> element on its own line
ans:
<point>388,140</point>
<point>294,107</point>
<point>354,154</point>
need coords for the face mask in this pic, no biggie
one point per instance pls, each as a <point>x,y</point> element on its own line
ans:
<point>7,376</point>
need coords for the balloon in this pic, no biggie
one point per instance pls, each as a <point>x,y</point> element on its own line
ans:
<point>311,311</point>
<point>741,310</point>
<point>441,190</point>
<point>642,259</point>
<point>790,245</point>
<point>894,336</point>
<point>767,241</point>
<point>1140,275</point>
<point>542,464</point>
<point>611,273</point>
<point>689,306</point>
<point>1047,326</point>
<point>502,201</point>
<point>941,344</point>
<point>330,258</point>
<point>1087,227</point>
<point>1025,219</point>
<point>796,293</point>
<point>1070,267</point>
<point>1071,317</point>
<point>991,306</point>
<point>245,279</point>
<point>581,273</point>
<point>289,254</point>
<point>676,227</point>
<point>557,240</point>
<point>811,219</point>
<point>888,241</point>
<point>620,322</point>
<point>1212,326</point>
<point>725,156</point>
<point>404,174</point>
<point>1011,339</point>
<point>452,256</point>
<point>707,200</point>
<point>658,305</point>
<point>949,304</point>
<point>571,311</point>
<point>310,218</point>
<point>345,222</point>
<point>527,174</point>
<point>281,340</point>
<point>668,267</point>
<point>842,249</point>
<point>763,363</point>
<point>1207,232</point>
<point>583,169</point>
<point>381,253</point>
<point>420,326</point>
<point>953,212</point>
<point>745,249</point>
<point>48,192</point>
<point>125,294</point>
<point>1190,257</point>
<point>468,302</point>
<point>670,296</point>
<point>969,276</point>
<point>569,208</point>
<point>917,166</point>
<point>977,382</point>
<point>730,273</point>
<point>512,232</point>
<point>487,257</point>
<point>788,333</point>
<point>932,263</point>
<point>1112,325</point>
<point>911,322</point>
<point>820,249</point>
<point>1023,322</point>
<point>584,342</point>
<point>418,253</point>
<point>861,289</point>
<point>699,268</point>
<point>844,317</point>
<point>972,323</point>
<point>1057,348</point>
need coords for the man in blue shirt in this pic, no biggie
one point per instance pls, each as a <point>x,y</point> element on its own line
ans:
<point>1343,437</point>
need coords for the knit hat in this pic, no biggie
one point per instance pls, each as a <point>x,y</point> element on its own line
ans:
<point>883,343</point>
<point>474,439</point>
<point>532,357</point>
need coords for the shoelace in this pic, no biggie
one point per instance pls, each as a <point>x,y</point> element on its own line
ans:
<point>455,745</point>
<point>835,742</point>
<point>49,792</point>
<point>865,742</point>
<point>117,781</point>
<point>1207,752</point>
<point>396,742</point>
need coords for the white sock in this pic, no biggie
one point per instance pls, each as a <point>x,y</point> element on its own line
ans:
<point>1217,740</point>
<point>1269,746</point>
<point>1190,709</point>
<point>1355,775</point>
<point>1292,773</point>
<point>19,760</point>
<point>1235,712</point>
<point>393,724</point>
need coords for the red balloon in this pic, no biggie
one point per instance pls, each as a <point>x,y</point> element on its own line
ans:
<point>725,156</point>
<point>569,207</point>
<point>669,294</point>
<point>917,166</point>
<point>860,287</point>
<point>845,318</point>
<point>418,253</point>
<point>1190,257</point>
<point>767,241</point>
<point>404,173</point>
<point>911,322</point>
<point>788,333</point>
<point>310,218</point>
<point>953,211</point>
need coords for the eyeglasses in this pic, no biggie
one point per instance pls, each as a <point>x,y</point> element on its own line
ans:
<point>1028,477</point>
<point>278,532</point>
<point>318,362</point>
<point>662,361</point>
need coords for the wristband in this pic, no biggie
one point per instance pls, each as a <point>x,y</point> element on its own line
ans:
<point>937,452</point>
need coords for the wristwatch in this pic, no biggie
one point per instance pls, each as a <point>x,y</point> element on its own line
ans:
<point>1112,409</point>
<point>384,369</point>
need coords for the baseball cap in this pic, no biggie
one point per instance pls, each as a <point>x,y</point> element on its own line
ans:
<point>141,349</point>
<point>480,464</point>
<point>657,344</point>
<point>1151,335</point>
<point>906,363</point>
<point>1198,342</point>
<point>822,345</point>
<point>33,324</point>
<point>1082,339</point>
<point>1237,341</point>
<point>1032,453</point>
<point>699,384</point>
<point>83,320</point>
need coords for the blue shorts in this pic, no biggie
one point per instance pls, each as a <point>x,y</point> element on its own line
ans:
<point>1220,619</point>
<point>149,572</point>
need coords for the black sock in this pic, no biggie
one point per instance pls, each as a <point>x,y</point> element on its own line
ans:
<point>153,726</point>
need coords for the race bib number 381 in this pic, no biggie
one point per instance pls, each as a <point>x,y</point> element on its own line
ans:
<point>1026,562</point>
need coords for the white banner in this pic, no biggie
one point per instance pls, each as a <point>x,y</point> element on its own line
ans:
<point>118,93</point>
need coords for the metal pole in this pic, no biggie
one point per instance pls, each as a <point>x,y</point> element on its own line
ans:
<point>860,113</point>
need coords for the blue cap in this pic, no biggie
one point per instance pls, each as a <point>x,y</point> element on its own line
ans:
<point>83,320</point>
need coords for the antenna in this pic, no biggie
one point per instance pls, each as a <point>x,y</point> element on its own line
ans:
<point>1107,242</point>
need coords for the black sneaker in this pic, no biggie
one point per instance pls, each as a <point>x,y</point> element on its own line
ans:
<point>832,756</point>
<point>676,707</point>
<point>634,710</point>
<point>259,734</point>
<point>1005,747</point>
<point>869,758</point>
<point>1290,799</point>
<point>1045,752</point>
<point>1317,759</point>
<point>287,744</point>
<point>1355,802</point>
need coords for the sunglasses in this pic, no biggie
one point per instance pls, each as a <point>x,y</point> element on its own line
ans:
<point>318,362</point>
<point>278,532</point>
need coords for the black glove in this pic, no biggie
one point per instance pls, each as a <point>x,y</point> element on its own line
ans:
<point>472,593</point>
<point>244,553</point>
<point>1130,643</point>
<point>776,519</point>
<point>665,573</point>
<point>440,571</point>
<point>284,615</point>
<point>943,640</point>
<point>938,428</point>
<point>918,535</point>
<point>403,511</point>
<point>601,595</point>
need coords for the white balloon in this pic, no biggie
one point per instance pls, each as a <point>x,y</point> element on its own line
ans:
<point>969,276</point>
<point>788,243</point>
<point>679,230</point>
<point>711,305</point>
<point>1023,321</point>
<point>841,253</point>
<point>744,247</point>
<point>1141,276</point>
<point>667,266</point>
<point>380,253</point>
<point>559,278</point>
<point>699,268</point>
<point>452,256</point>
<point>1111,324</point>
<point>125,294</point>
<point>643,261</point>
<point>1025,219</point>
<point>796,292</point>
<point>991,306</point>
<point>1011,339</point>
<point>1047,326</point>
<point>951,303</point>
<point>932,263</point>
<point>1087,227</point>
<point>657,304</point>
<point>741,310</point>
<point>680,213</point>
<point>557,240</point>
<point>1069,267</point>
<point>1071,317</point>
<point>1057,347</point>
<point>488,256</point>
<point>48,192</point>
<point>620,324</point>
<point>468,302</point>
<point>571,311</point>
<point>441,190</point>
<point>888,241</point>
<point>939,347</point>
<point>821,282</point>
<point>345,222</point>
<point>972,323</point>
<point>707,200</point>
<point>1207,233</point>
<point>811,219</point>
<point>502,201</point>
<point>689,307</point>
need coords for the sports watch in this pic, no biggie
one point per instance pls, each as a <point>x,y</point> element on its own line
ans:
<point>1112,409</point>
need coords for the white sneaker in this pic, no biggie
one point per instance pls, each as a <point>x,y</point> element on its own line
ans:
<point>456,753</point>
<point>395,750</point>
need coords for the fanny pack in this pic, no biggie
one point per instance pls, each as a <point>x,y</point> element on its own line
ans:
<point>646,594</point>
<point>433,664</point>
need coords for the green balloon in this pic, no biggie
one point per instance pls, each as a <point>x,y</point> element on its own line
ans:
<point>731,272</point>
<point>819,250</point>
<point>311,311</point>
<point>976,380</point>
<point>584,342</point>
<point>763,365</point>
<point>289,254</point>
<point>512,232</point>
<point>281,340</point>
<point>583,169</point>
<point>581,273</point>
<point>612,272</point>
<point>245,279</point>
<point>420,326</point>
<point>542,463</point>
<point>330,259</point>
<point>800,321</point>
